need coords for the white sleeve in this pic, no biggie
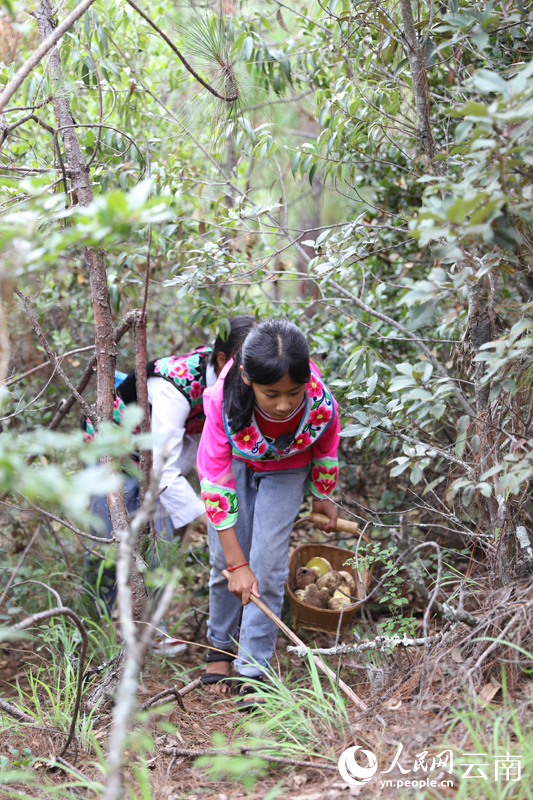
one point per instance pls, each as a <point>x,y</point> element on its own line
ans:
<point>170,410</point>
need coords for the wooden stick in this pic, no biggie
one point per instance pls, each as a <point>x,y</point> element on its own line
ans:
<point>292,636</point>
<point>342,524</point>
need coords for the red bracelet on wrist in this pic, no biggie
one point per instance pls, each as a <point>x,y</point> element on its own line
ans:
<point>232,569</point>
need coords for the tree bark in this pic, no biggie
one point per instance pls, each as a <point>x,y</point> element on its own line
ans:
<point>105,350</point>
<point>420,90</point>
<point>142,398</point>
<point>480,332</point>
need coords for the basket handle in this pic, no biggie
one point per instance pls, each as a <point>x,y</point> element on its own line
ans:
<point>342,524</point>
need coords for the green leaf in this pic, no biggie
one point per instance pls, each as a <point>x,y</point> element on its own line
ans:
<point>487,81</point>
<point>295,163</point>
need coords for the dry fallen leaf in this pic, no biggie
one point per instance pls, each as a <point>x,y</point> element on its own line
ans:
<point>280,20</point>
<point>299,780</point>
<point>457,655</point>
<point>393,704</point>
<point>489,690</point>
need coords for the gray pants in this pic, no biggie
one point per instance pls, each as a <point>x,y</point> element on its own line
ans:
<point>268,505</point>
<point>161,522</point>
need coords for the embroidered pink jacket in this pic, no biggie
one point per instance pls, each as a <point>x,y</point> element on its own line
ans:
<point>316,442</point>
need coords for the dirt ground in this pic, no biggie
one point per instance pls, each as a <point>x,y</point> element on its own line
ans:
<point>397,716</point>
<point>381,730</point>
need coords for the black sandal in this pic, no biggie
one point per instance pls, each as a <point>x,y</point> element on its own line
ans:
<point>209,678</point>
<point>242,687</point>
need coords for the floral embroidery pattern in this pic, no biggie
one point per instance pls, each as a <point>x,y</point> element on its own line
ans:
<point>197,390</point>
<point>118,409</point>
<point>303,440</point>
<point>318,414</point>
<point>246,439</point>
<point>324,474</point>
<point>220,504</point>
<point>187,373</point>
<point>177,368</point>
<point>313,387</point>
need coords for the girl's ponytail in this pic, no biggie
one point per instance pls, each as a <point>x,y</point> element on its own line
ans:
<point>240,325</point>
<point>272,349</point>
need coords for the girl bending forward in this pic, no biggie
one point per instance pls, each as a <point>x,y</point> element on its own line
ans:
<point>270,424</point>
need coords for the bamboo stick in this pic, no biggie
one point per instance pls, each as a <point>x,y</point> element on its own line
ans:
<point>292,636</point>
<point>342,524</point>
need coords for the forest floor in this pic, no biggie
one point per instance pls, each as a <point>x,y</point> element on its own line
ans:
<point>422,702</point>
<point>206,716</point>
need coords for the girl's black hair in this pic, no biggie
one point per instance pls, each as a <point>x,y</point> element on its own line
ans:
<point>271,349</point>
<point>240,325</point>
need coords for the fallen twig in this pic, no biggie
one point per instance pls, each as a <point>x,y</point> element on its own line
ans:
<point>379,643</point>
<point>73,769</point>
<point>182,751</point>
<point>65,612</point>
<point>15,712</point>
<point>173,692</point>
<point>21,716</point>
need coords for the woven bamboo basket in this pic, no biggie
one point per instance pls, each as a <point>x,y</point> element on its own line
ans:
<point>324,620</point>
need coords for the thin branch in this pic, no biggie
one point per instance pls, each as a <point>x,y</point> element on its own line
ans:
<point>68,383</point>
<point>34,400</point>
<point>100,99</point>
<point>21,559</point>
<point>429,448</point>
<point>228,69</point>
<point>126,693</point>
<point>68,524</point>
<point>269,103</point>
<point>41,51</point>
<point>416,574</point>
<point>17,378</point>
<point>55,140</point>
<point>5,133</point>
<point>427,352</point>
<point>67,404</point>
<point>48,588</point>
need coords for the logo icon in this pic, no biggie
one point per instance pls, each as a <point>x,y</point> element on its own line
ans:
<point>352,772</point>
